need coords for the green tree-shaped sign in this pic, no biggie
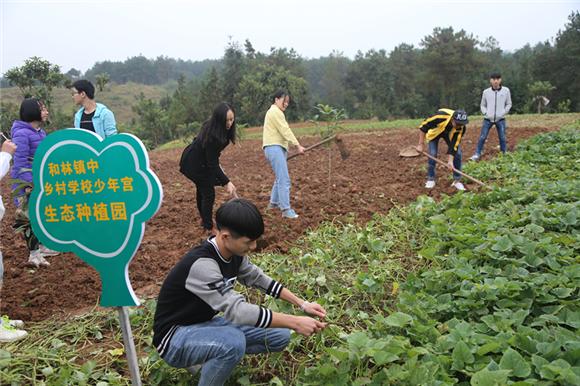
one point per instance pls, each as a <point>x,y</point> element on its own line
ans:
<point>92,197</point>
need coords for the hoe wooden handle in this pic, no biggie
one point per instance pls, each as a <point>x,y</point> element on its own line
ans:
<point>455,170</point>
<point>313,146</point>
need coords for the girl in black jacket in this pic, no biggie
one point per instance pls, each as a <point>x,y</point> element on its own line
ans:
<point>201,160</point>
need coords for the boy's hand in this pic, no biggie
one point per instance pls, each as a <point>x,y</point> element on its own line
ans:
<point>450,162</point>
<point>314,309</point>
<point>307,326</point>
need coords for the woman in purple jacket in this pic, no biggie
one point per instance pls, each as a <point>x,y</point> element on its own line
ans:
<point>27,134</point>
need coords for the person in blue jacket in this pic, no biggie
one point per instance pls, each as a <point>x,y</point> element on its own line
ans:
<point>92,116</point>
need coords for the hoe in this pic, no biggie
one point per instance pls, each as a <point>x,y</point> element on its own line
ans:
<point>344,154</point>
<point>411,151</point>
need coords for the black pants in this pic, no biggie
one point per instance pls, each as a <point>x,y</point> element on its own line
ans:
<point>205,197</point>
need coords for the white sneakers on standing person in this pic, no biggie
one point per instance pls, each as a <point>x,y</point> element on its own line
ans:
<point>44,251</point>
<point>458,185</point>
<point>36,259</point>
<point>430,184</point>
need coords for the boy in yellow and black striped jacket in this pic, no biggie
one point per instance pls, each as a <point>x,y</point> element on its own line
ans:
<point>449,125</point>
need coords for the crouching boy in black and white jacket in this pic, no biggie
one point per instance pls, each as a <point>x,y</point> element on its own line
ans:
<point>187,331</point>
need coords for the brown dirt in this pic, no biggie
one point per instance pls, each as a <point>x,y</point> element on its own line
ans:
<point>370,181</point>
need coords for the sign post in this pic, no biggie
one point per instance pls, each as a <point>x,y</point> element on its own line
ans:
<point>92,197</point>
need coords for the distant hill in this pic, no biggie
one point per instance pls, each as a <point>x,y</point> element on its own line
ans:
<point>160,70</point>
<point>118,97</point>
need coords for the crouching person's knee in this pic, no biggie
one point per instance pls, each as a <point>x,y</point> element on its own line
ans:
<point>235,348</point>
<point>278,339</point>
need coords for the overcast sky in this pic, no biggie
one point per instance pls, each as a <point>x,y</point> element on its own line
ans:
<point>76,34</point>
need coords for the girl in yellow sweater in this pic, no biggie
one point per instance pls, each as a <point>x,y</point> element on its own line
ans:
<point>276,139</point>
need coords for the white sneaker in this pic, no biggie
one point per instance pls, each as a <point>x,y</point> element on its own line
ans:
<point>289,213</point>
<point>36,259</point>
<point>474,157</point>
<point>458,185</point>
<point>47,252</point>
<point>16,323</point>
<point>4,320</point>
<point>10,334</point>
<point>430,184</point>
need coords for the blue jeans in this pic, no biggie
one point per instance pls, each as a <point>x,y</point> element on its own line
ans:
<point>220,345</point>
<point>433,147</point>
<point>487,124</point>
<point>280,195</point>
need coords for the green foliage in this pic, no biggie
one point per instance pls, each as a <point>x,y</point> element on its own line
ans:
<point>152,129</point>
<point>257,87</point>
<point>499,304</point>
<point>36,78</point>
<point>563,73</point>
<point>452,67</point>
<point>410,101</point>
<point>234,68</point>
<point>102,80</point>
<point>210,94</point>
<point>8,113</point>
<point>175,116</point>
<point>369,83</point>
<point>246,80</point>
<point>564,106</point>
<point>326,78</point>
<point>60,118</point>
<point>157,71</point>
<point>539,90</point>
<point>332,117</point>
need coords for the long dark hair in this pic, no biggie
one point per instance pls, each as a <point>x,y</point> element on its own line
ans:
<point>214,129</point>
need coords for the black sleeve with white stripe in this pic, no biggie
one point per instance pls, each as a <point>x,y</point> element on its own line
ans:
<point>275,289</point>
<point>264,318</point>
<point>252,276</point>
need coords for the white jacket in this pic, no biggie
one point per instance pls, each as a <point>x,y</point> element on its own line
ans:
<point>496,104</point>
<point>4,167</point>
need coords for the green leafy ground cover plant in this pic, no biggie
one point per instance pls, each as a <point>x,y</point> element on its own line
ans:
<point>477,289</point>
<point>499,302</point>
